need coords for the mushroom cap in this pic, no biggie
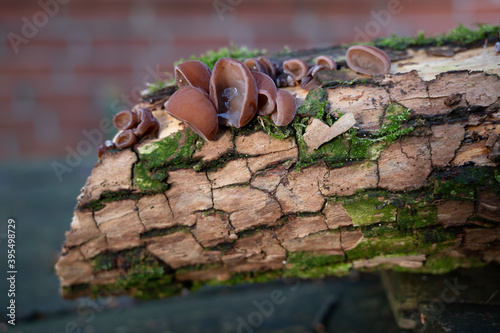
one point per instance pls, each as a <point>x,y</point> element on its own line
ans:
<point>233,92</point>
<point>285,108</point>
<point>296,68</point>
<point>266,90</point>
<point>368,59</point>
<point>271,68</point>
<point>256,65</point>
<point>125,139</point>
<point>125,119</point>
<point>107,145</point>
<point>326,61</point>
<point>193,106</point>
<point>285,80</point>
<point>148,124</point>
<point>194,73</point>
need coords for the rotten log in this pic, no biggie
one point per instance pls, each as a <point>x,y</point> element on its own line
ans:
<point>414,185</point>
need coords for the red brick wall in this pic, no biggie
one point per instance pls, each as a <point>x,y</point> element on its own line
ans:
<point>69,71</point>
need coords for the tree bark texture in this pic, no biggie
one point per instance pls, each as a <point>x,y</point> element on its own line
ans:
<point>418,189</point>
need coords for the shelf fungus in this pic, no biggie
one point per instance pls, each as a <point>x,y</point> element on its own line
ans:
<point>366,59</point>
<point>193,106</point>
<point>193,73</point>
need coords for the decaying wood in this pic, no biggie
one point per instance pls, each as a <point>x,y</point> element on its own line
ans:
<point>250,209</point>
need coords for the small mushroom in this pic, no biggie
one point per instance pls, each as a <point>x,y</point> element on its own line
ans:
<point>233,92</point>
<point>193,106</point>
<point>125,119</point>
<point>326,61</point>
<point>310,82</point>
<point>107,145</point>
<point>256,65</point>
<point>271,67</point>
<point>266,90</point>
<point>296,68</point>
<point>194,73</point>
<point>125,139</point>
<point>148,124</point>
<point>285,80</point>
<point>368,59</point>
<point>285,108</point>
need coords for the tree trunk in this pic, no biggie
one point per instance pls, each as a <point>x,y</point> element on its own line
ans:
<point>416,189</point>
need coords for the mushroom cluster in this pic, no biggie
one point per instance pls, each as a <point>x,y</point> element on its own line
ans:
<point>133,126</point>
<point>230,95</point>
<point>363,59</point>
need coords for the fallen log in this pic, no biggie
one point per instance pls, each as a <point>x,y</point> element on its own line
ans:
<point>414,184</point>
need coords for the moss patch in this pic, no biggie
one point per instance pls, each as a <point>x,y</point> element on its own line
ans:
<point>156,158</point>
<point>460,36</point>
<point>306,265</point>
<point>370,208</point>
<point>211,56</point>
<point>444,263</point>
<point>462,182</point>
<point>412,217</point>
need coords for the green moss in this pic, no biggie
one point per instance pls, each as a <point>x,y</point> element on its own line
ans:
<point>363,250</point>
<point>394,244</point>
<point>211,56</point>
<point>460,36</point>
<point>103,262</point>
<point>462,182</point>
<point>444,263</point>
<point>392,128</point>
<point>155,86</point>
<point>412,217</point>
<point>276,132</point>
<point>437,235</point>
<point>372,207</point>
<point>316,102</point>
<point>250,277</point>
<point>156,158</point>
<point>307,265</point>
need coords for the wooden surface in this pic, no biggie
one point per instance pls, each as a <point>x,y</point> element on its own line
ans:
<point>249,206</point>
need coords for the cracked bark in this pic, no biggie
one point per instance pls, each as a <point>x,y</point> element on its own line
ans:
<point>255,212</point>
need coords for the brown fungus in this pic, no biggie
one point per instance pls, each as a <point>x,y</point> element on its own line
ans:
<point>125,119</point>
<point>296,68</point>
<point>194,73</point>
<point>285,108</point>
<point>266,93</point>
<point>148,124</point>
<point>326,61</point>
<point>256,65</point>
<point>193,106</point>
<point>368,59</point>
<point>125,139</point>
<point>310,82</point>
<point>271,67</point>
<point>285,80</point>
<point>233,92</point>
<point>107,145</point>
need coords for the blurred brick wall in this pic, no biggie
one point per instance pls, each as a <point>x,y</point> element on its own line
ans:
<point>81,60</point>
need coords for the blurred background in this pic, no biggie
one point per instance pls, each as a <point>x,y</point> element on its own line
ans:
<point>67,66</point>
